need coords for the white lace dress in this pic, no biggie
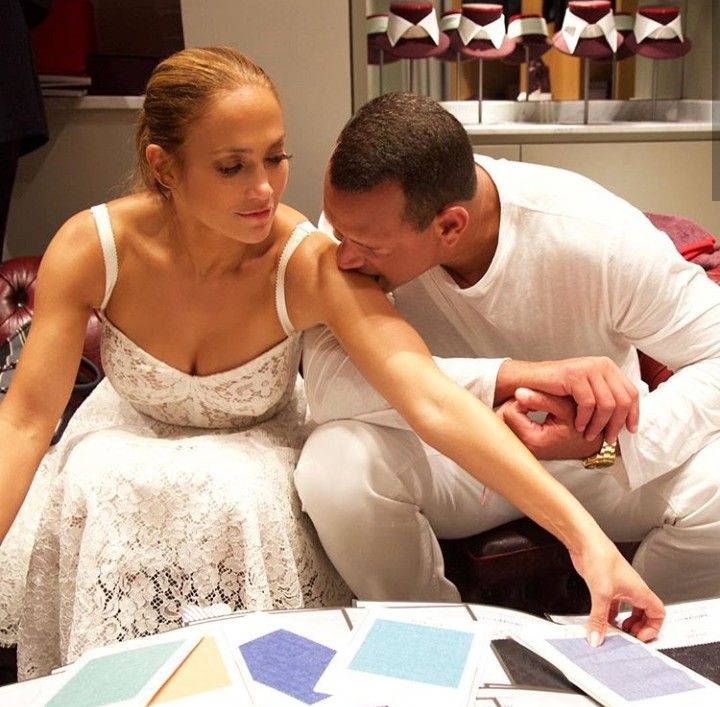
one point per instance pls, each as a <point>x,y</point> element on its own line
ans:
<point>166,489</point>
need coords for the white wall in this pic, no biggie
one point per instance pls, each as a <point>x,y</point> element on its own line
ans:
<point>305,47</point>
<point>87,161</point>
<point>303,44</point>
<point>664,177</point>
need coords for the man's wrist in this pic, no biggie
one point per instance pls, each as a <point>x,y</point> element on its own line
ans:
<point>604,457</point>
<point>511,375</point>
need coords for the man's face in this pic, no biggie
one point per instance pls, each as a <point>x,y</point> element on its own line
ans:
<point>374,237</point>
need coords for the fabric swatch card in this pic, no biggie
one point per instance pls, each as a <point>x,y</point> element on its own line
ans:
<point>703,659</point>
<point>623,671</point>
<point>208,674</point>
<point>283,654</point>
<point>396,660</point>
<point>120,675</point>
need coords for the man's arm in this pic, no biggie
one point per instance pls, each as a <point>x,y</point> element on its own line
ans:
<point>335,388</point>
<point>672,313</point>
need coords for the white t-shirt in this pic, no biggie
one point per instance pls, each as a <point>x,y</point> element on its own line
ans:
<point>577,272</point>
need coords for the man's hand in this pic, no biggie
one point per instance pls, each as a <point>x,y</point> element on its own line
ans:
<point>606,399</point>
<point>556,437</point>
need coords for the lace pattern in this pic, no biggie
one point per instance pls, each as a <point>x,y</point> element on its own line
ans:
<point>236,399</point>
<point>166,489</point>
<point>143,518</point>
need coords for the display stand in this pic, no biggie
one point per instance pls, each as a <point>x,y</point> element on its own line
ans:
<point>657,35</point>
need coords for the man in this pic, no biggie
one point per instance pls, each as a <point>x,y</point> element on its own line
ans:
<point>491,259</point>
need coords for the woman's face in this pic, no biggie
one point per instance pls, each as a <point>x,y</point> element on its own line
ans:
<point>234,167</point>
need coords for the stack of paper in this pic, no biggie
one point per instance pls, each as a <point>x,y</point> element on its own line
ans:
<point>57,85</point>
<point>400,654</point>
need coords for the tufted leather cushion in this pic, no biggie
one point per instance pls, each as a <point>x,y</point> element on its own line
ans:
<point>521,566</point>
<point>17,303</point>
<point>17,293</point>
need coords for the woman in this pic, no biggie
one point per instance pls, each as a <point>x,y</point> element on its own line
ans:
<point>172,484</point>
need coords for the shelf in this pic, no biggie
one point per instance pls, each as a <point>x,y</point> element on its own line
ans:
<point>93,102</point>
<point>562,121</point>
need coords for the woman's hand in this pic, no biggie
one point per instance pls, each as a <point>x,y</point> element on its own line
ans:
<point>612,580</point>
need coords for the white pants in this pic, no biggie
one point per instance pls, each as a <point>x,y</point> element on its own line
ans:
<point>379,503</point>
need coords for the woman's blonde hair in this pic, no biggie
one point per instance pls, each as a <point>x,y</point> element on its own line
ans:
<point>177,92</point>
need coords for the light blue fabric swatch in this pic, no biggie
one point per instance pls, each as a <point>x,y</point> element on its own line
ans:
<point>113,678</point>
<point>436,656</point>
<point>628,669</point>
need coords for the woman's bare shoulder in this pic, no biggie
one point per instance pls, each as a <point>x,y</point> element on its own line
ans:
<point>139,216</point>
<point>72,264</point>
<point>75,255</point>
<point>305,259</point>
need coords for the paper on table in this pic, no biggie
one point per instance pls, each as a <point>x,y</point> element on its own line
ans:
<point>282,654</point>
<point>206,672</point>
<point>690,624</point>
<point>393,659</point>
<point>118,675</point>
<point>28,692</point>
<point>500,623</point>
<point>621,672</point>
<point>365,604</point>
<point>447,614</point>
<point>512,697</point>
<point>686,623</point>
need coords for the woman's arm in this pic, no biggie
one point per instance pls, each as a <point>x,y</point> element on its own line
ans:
<point>70,282</point>
<point>398,364</point>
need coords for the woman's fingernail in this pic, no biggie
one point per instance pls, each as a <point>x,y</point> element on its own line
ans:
<point>595,639</point>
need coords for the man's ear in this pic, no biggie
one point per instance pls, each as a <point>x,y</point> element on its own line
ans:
<point>162,166</point>
<point>450,222</point>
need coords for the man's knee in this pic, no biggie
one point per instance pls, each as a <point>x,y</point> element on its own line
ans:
<point>692,492</point>
<point>328,455</point>
<point>345,462</point>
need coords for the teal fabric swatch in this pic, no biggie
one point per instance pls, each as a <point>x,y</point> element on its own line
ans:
<point>114,678</point>
<point>436,656</point>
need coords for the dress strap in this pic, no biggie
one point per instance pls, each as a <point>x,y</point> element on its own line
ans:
<point>107,243</point>
<point>300,232</point>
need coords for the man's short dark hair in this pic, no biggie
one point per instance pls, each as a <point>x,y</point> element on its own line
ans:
<point>411,140</point>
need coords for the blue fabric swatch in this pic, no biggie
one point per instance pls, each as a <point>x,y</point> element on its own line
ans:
<point>289,663</point>
<point>113,678</point>
<point>435,656</point>
<point>626,668</point>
